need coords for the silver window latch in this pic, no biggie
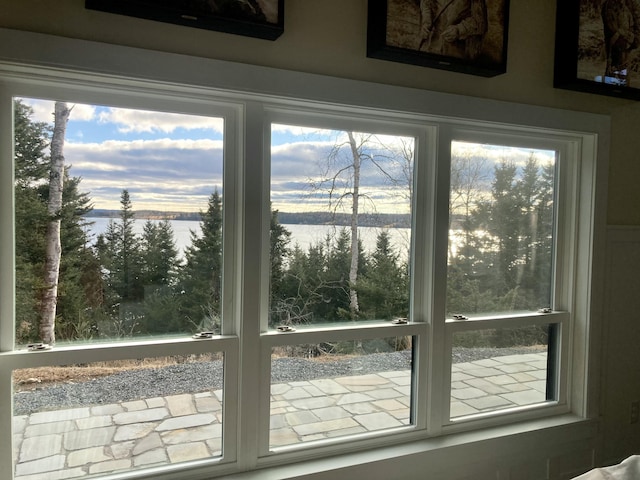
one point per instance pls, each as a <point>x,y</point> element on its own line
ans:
<point>203,335</point>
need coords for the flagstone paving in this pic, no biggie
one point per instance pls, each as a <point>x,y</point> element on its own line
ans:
<point>78,442</point>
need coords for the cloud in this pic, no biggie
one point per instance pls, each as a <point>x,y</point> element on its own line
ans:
<point>127,120</point>
<point>299,171</point>
<point>495,154</point>
<point>138,121</point>
<point>166,174</point>
<point>43,110</point>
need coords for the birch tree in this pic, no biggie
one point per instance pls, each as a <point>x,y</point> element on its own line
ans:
<point>52,243</point>
<point>342,178</point>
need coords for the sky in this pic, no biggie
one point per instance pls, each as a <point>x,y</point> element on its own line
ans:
<point>173,162</point>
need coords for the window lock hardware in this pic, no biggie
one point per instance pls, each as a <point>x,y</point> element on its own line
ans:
<point>545,310</point>
<point>285,328</point>
<point>36,347</point>
<point>457,316</point>
<point>399,321</point>
<point>203,335</point>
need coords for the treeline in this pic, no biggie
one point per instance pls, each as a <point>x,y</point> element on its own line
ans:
<point>389,220</point>
<point>146,214</point>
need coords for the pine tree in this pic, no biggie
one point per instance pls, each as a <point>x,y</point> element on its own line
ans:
<point>201,277</point>
<point>159,254</point>
<point>119,249</point>
<point>79,283</point>
<point>384,289</point>
<point>120,255</point>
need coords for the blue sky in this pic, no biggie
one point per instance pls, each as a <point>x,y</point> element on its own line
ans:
<point>173,162</point>
<point>167,161</point>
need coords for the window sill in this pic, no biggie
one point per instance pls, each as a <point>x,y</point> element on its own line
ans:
<point>492,446</point>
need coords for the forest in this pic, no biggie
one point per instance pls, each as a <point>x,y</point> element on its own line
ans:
<point>124,284</point>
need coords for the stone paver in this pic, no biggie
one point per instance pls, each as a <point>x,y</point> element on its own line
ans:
<point>77,442</point>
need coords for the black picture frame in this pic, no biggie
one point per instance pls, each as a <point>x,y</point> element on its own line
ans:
<point>254,18</point>
<point>394,33</point>
<point>581,54</point>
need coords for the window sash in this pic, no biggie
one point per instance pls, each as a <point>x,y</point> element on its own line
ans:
<point>161,100</point>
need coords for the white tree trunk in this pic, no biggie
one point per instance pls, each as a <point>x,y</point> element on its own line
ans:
<point>354,308</point>
<point>52,242</point>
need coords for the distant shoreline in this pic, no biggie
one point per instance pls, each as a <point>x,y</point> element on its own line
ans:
<point>388,220</point>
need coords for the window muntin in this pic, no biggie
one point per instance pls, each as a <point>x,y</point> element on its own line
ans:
<point>141,222</point>
<point>501,229</point>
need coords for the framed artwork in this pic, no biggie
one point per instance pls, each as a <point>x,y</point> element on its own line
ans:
<point>597,47</point>
<point>253,18</point>
<point>468,36</point>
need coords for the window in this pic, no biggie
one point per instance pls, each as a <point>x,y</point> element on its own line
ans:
<point>248,281</point>
<point>137,375</point>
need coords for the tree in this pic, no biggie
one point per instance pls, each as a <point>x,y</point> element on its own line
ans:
<point>341,180</point>
<point>80,289</point>
<point>120,253</point>
<point>510,268</point>
<point>79,284</point>
<point>31,139</point>
<point>53,249</point>
<point>279,253</point>
<point>384,289</point>
<point>201,277</point>
<point>159,254</point>
<point>120,256</point>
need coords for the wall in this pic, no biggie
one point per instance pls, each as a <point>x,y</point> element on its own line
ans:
<point>329,37</point>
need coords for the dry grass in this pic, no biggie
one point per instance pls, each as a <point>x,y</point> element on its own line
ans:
<point>32,378</point>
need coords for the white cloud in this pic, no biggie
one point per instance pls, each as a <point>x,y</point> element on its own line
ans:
<point>138,121</point>
<point>164,174</point>
<point>43,110</point>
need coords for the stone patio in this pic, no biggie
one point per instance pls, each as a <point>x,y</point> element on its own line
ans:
<point>91,440</point>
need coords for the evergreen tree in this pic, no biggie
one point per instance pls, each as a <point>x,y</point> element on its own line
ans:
<point>120,254</point>
<point>504,226</point>
<point>80,288</point>
<point>31,142</point>
<point>79,270</point>
<point>201,277</point>
<point>31,160</point>
<point>336,286</point>
<point>159,254</point>
<point>384,289</point>
<point>279,255</point>
<point>159,270</point>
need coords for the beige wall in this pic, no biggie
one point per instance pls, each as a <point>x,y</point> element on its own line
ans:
<point>329,37</point>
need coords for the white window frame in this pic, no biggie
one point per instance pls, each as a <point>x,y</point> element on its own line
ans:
<point>135,95</point>
<point>31,70</point>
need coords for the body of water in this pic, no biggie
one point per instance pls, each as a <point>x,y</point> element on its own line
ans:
<point>303,235</point>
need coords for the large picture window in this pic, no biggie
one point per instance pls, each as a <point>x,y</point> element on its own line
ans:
<point>218,282</point>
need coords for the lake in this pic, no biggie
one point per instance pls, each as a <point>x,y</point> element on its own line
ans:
<point>303,235</point>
